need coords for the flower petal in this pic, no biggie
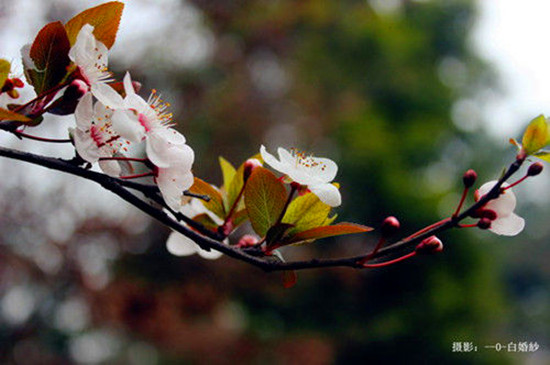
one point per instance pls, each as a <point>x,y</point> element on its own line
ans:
<point>180,245</point>
<point>126,124</point>
<point>84,112</point>
<point>128,87</point>
<point>85,146</point>
<point>111,168</point>
<point>271,160</point>
<point>107,95</point>
<point>209,255</point>
<point>327,193</point>
<point>324,169</point>
<point>508,226</point>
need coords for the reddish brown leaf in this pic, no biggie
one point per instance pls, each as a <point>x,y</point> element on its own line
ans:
<point>105,19</point>
<point>50,54</point>
<point>330,231</point>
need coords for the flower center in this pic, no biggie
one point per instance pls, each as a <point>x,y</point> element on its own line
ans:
<point>305,160</point>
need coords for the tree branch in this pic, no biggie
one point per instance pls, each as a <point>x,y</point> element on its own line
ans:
<point>207,239</point>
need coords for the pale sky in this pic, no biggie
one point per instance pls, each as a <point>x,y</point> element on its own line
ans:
<point>514,36</point>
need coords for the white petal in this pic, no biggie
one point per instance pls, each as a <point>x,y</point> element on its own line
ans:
<point>128,87</point>
<point>508,226</point>
<point>126,124</point>
<point>85,146</point>
<point>327,193</point>
<point>81,52</point>
<point>107,95</point>
<point>286,157</point>
<point>324,169</point>
<point>84,112</point>
<point>170,135</point>
<point>209,255</point>
<point>134,101</point>
<point>111,168</point>
<point>271,160</point>
<point>172,183</point>
<point>160,151</point>
<point>180,245</point>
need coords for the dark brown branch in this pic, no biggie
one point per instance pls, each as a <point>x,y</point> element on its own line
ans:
<point>207,239</point>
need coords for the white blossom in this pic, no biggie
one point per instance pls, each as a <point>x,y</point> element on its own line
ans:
<point>507,222</point>
<point>314,172</point>
<point>176,177</point>
<point>90,57</point>
<point>180,245</point>
<point>93,136</point>
<point>136,119</point>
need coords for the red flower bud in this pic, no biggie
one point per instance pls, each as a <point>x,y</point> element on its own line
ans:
<point>390,226</point>
<point>488,213</point>
<point>469,178</point>
<point>431,244</point>
<point>535,169</point>
<point>484,223</point>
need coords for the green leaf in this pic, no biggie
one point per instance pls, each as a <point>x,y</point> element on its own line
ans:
<point>50,54</point>
<point>536,135</point>
<point>306,212</point>
<point>265,197</point>
<point>330,231</point>
<point>5,67</point>
<point>543,155</point>
<point>215,205</point>
<point>13,116</point>
<point>228,171</point>
<point>234,187</point>
<point>206,221</point>
<point>239,217</point>
<point>105,19</point>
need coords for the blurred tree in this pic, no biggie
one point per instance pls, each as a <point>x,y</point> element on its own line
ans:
<point>370,83</point>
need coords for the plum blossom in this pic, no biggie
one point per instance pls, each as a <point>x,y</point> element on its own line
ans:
<point>90,57</point>
<point>176,177</point>
<point>507,223</point>
<point>180,245</point>
<point>314,172</point>
<point>93,136</point>
<point>136,119</point>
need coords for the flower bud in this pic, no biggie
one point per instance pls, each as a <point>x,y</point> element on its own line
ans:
<point>247,240</point>
<point>488,213</point>
<point>469,178</point>
<point>484,223</point>
<point>249,166</point>
<point>535,169</point>
<point>390,226</point>
<point>67,103</point>
<point>431,244</point>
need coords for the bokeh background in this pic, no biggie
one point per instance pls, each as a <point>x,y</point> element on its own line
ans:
<point>404,95</point>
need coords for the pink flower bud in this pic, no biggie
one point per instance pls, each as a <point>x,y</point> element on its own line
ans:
<point>390,226</point>
<point>247,240</point>
<point>535,169</point>
<point>249,166</point>
<point>469,178</point>
<point>431,244</point>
